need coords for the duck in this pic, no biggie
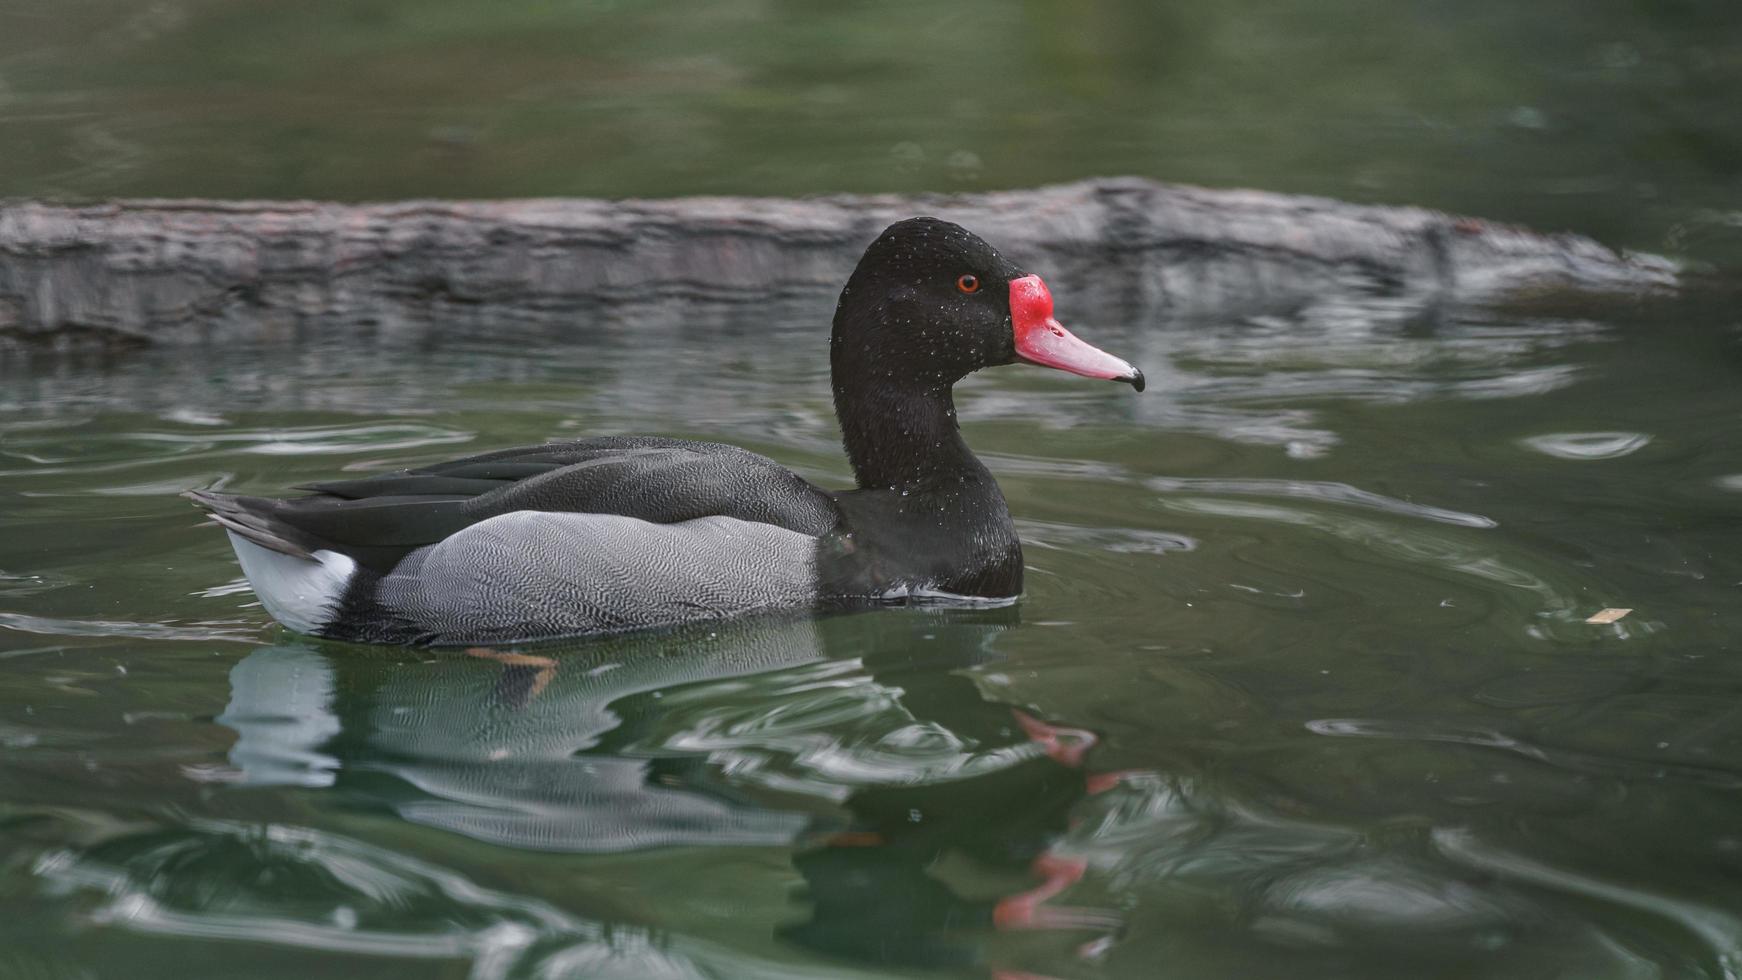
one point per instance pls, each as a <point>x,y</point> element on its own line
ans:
<point>612,534</point>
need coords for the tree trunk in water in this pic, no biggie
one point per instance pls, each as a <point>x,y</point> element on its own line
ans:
<point>134,272</point>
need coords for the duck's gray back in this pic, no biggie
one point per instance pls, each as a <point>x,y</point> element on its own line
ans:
<point>534,574</point>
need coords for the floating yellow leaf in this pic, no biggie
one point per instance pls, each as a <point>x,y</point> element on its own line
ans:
<point>1607,616</point>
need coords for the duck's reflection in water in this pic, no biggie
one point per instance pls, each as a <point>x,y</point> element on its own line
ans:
<point>926,869</point>
<point>857,740</point>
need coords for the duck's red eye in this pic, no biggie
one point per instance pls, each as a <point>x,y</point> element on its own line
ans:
<point>968,284</point>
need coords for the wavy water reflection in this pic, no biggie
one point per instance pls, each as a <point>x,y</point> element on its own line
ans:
<point>858,742</point>
<point>1719,931</point>
<point>227,882</point>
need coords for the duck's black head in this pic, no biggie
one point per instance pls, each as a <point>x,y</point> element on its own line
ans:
<point>931,302</point>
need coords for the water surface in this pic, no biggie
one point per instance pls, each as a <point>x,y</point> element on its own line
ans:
<point>1302,685</point>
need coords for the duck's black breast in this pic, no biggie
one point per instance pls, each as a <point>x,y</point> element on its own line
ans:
<point>952,539</point>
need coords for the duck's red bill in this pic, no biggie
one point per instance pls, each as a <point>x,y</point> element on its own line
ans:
<point>1041,340</point>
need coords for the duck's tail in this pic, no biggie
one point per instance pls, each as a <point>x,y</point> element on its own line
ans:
<point>300,583</point>
<point>253,519</point>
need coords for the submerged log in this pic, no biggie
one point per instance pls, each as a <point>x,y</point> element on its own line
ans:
<point>179,271</point>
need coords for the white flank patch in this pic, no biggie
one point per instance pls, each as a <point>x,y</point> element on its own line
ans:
<point>297,592</point>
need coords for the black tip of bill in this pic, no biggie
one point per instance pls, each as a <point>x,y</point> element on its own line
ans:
<point>1134,379</point>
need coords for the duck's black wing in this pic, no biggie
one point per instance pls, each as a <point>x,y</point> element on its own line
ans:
<point>378,520</point>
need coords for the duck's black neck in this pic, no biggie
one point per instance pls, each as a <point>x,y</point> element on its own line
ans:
<point>903,436</point>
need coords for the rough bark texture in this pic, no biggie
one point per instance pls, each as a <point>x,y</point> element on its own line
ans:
<point>179,271</point>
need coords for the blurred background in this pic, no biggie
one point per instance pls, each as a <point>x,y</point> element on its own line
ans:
<point>1617,118</point>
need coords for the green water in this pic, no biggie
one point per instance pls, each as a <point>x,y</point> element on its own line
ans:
<point>1308,616</point>
<point>1618,118</point>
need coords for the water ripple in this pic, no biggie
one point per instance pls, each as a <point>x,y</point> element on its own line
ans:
<point>314,440</point>
<point>1589,445</point>
<point>1387,894</point>
<point>1719,931</point>
<point>1323,490</point>
<point>1119,540</point>
<point>1559,609</point>
<point>1570,759</point>
<point>229,631</point>
<point>228,882</point>
<point>823,731</point>
<point>62,453</point>
<point>24,583</point>
<point>1281,880</point>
